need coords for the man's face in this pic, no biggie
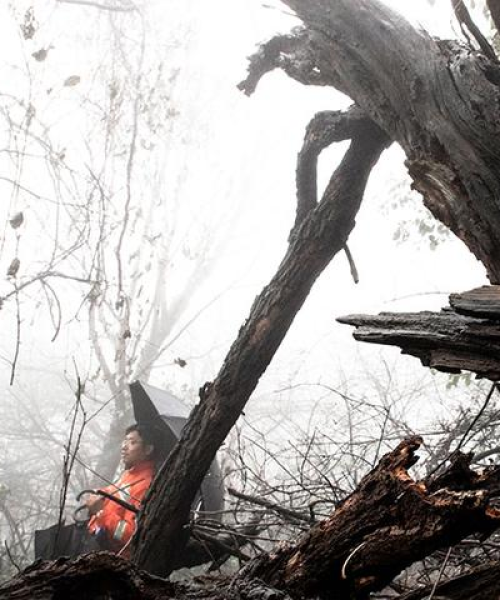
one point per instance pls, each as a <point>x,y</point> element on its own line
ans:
<point>134,450</point>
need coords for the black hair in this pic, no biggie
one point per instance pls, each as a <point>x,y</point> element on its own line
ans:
<point>148,434</point>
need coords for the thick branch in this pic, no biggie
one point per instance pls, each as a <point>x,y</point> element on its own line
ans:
<point>320,236</point>
<point>103,575</point>
<point>292,53</point>
<point>478,584</point>
<point>323,130</point>
<point>389,522</point>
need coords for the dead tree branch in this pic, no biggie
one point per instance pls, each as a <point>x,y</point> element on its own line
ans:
<point>319,237</point>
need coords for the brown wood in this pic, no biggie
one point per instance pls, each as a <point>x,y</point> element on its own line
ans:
<point>318,236</point>
<point>480,302</point>
<point>389,522</point>
<point>482,583</point>
<point>447,341</point>
<point>438,99</point>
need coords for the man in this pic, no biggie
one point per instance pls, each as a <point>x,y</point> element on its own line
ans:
<point>111,524</point>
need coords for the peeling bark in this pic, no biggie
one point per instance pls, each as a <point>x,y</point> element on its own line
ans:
<point>438,99</point>
<point>466,338</point>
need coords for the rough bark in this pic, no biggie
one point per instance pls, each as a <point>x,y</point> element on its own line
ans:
<point>318,235</point>
<point>494,8</point>
<point>482,583</point>
<point>103,575</point>
<point>438,99</point>
<point>389,522</point>
<point>483,302</point>
<point>466,337</point>
<point>386,524</point>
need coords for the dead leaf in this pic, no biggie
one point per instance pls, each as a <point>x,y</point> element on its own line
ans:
<point>72,80</point>
<point>13,268</point>
<point>17,220</point>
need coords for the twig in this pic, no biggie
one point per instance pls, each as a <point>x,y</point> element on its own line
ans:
<point>99,6</point>
<point>493,387</point>
<point>352,264</point>
<point>71,452</point>
<point>441,571</point>
<point>11,558</point>
<point>18,336</point>
<point>464,18</point>
<point>292,514</point>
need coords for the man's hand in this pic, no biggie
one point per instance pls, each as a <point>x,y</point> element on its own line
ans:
<point>94,503</point>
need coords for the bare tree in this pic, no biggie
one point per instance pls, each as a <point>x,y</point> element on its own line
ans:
<point>439,101</point>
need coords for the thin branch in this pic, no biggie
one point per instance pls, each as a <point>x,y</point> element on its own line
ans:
<point>440,575</point>
<point>286,512</point>
<point>494,8</point>
<point>18,337</point>
<point>464,18</point>
<point>493,387</point>
<point>99,5</point>
<point>352,264</point>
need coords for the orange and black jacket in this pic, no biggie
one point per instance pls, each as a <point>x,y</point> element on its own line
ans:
<point>113,522</point>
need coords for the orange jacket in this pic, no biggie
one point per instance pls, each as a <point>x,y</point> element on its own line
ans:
<point>114,522</point>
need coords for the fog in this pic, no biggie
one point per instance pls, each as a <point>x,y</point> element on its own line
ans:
<point>157,201</point>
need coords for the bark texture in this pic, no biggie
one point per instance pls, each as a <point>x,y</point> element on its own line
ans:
<point>463,337</point>
<point>479,584</point>
<point>438,99</point>
<point>319,233</point>
<point>389,522</point>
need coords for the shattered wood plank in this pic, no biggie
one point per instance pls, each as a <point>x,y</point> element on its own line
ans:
<point>446,341</point>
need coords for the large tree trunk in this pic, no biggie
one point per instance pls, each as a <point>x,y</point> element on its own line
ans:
<point>439,100</point>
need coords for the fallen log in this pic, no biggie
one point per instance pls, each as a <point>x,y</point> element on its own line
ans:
<point>389,522</point>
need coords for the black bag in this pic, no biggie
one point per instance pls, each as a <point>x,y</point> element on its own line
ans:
<point>65,540</point>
